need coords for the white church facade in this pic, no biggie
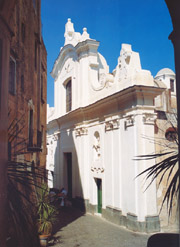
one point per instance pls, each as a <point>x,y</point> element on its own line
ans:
<point>99,124</point>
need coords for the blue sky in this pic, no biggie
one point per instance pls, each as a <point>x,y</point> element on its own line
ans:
<point>145,25</point>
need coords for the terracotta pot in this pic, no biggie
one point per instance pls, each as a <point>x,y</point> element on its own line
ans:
<point>44,240</point>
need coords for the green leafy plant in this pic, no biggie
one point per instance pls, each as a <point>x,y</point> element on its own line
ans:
<point>47,213</point>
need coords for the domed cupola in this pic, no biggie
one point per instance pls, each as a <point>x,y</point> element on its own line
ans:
<point>167,76</point>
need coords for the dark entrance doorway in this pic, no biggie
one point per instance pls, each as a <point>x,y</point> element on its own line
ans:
<point>68,157</point>
<point>99,195</point>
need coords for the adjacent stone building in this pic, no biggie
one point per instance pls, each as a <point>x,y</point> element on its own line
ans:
<point>22,93</point>
<point>165,141</point>
<point>6,10</point>
<point>99,124</point>
<point>27,85</point>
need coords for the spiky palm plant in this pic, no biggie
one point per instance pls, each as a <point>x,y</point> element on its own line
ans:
<point>46,211</point>
<point>23,180</point>
<point>167,168</point>
<point>21,206</point>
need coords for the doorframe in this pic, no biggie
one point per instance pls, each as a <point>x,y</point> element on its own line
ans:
<point>99,193</point>
<point>68,179</point>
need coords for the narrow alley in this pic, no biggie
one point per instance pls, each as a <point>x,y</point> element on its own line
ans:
<point>75,229</point>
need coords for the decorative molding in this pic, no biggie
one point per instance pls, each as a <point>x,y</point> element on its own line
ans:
<point>129,121</point>
<point>66,71</point>
<point>102,79</point>
<point>124,62</point>
<point>30,104</point>
<point>149,118</point>
<point>48,139</point>
<point>97,169</point>
<point>105,80</point>
<point>56,136</point>
<point>93,64</point>
<point>96,146</point>
<point>69,67</point>
<point>112,124</point>
<point>81,131</point>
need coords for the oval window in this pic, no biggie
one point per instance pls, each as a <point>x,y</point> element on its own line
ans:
<point>171,134</point>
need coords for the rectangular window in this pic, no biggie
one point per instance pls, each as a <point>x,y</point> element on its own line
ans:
<point>31,128</point>
<point>68,96</point>
<point>22,83</point>
<point>42,90</point>
<point>172,85</point>
<point>9,150</point>
<point>35,55</point>
<point>23,32</point>
<point>12,76</point>
<point>39,138</point>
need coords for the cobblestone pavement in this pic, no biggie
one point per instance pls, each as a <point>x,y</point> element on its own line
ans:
<point>75,229</point>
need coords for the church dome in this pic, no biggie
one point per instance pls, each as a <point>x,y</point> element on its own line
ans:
<point>165,71</point>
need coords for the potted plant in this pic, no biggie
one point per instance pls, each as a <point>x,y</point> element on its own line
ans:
<point>46,214</point>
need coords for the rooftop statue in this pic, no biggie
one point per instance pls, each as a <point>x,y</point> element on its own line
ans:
<point>72,37</point>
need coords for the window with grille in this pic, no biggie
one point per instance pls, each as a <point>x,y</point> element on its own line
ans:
<point>68,96</point>
<point>12,76</point>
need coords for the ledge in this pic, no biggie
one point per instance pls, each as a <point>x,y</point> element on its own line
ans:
<point>34,149</point>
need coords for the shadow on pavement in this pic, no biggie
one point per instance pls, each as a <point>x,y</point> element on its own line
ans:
<point>66,216</point>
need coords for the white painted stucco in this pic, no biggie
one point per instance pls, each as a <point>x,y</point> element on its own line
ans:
<point>109,125</point>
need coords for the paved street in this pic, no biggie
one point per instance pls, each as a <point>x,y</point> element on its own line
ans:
<point>75,229</point>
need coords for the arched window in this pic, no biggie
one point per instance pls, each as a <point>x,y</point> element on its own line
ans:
<point>68,96</point>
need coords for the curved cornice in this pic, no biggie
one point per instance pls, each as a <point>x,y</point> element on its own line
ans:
<point>63,52</point>
<point>89,46</point>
